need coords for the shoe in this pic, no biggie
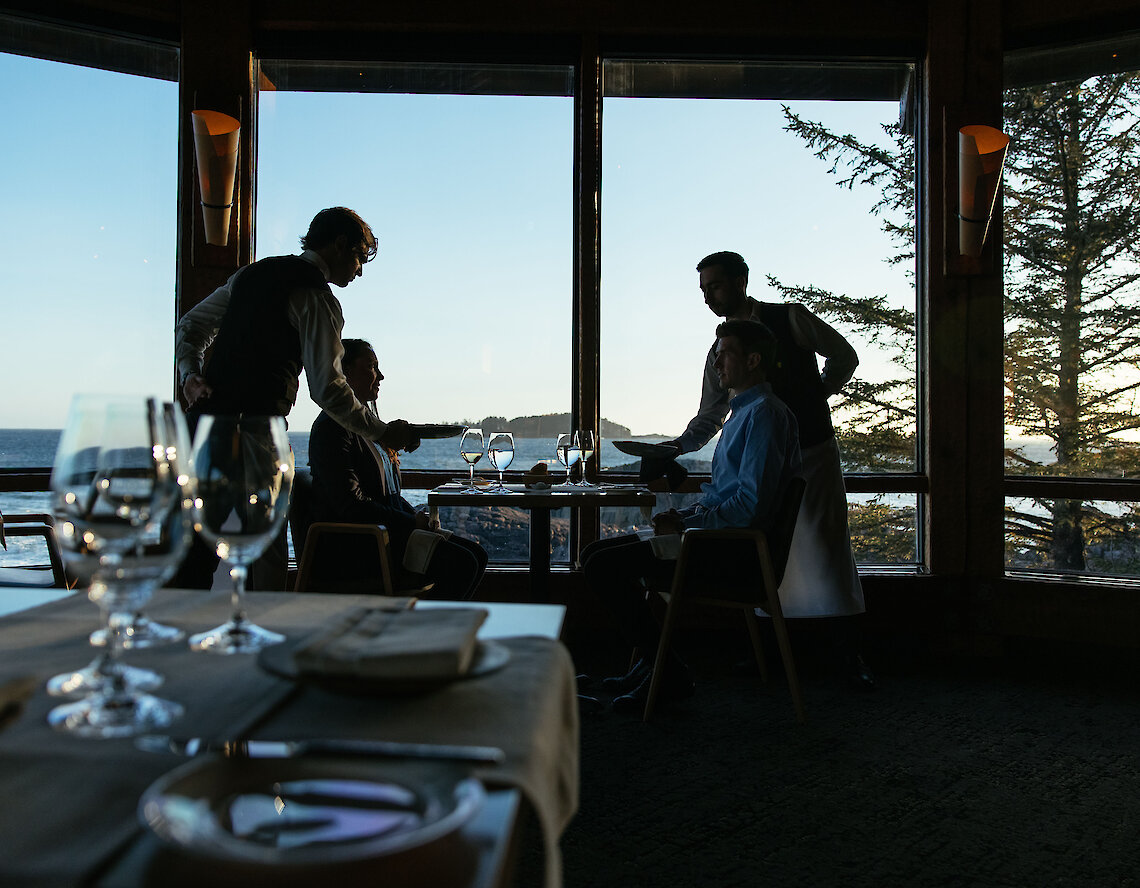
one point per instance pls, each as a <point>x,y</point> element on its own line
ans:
<point>589,705</point>
<point>623,684</point>
<point>673,688</point>
<point>860,675</point>
<point>583,681</point>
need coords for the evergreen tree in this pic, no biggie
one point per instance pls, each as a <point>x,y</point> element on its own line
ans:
<point>1072,317</point>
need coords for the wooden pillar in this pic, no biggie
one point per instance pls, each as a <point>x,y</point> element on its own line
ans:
<point>215,75</point>
<point>962,302</point>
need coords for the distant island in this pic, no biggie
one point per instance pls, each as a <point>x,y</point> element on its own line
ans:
<point>547,426</point>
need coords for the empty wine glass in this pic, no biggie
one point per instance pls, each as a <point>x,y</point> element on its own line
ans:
<point>566,449</point>
<point>501,451</point>
<point>245,472</point>
<point>123,526</point>
<point>471,449</point>
<point>584,438</point>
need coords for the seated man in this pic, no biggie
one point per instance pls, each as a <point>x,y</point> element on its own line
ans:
<point>757,455</point>
<point>358,482</point>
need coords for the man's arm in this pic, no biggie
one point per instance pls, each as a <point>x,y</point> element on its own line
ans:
<point>318,320</point>
<point>710,416</point>
<point>193,334</point>
<point>815,334</point>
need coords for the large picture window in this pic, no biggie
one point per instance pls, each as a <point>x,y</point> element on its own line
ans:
<point>703,157</point>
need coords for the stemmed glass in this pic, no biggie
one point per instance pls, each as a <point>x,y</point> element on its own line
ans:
<point>584,438</point>
<point>120,494</point>
<point>501,452</point>
<point>471,449</point>
<point>566,449</point>
<point>245,472</point>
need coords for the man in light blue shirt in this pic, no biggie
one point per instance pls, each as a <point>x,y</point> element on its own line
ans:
<point>757,455</point>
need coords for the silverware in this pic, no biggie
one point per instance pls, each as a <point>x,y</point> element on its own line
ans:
<point>191,746</point>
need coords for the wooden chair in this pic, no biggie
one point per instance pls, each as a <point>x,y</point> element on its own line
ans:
<point>34,525</point>
<point>321,546</point>
<point>690,588</point>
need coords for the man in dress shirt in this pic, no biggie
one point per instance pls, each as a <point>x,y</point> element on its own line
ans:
<point>821,578</point>
<point>268,321</point>
<point>757,455</point>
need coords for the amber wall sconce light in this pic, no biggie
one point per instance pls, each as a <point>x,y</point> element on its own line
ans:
<point>981,156</point>
<point>216,138</point>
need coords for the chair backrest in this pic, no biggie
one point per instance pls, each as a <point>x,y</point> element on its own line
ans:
<point>784,525</point>
<point>301,509</point>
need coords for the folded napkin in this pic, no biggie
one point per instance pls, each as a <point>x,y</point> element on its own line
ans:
<point>420,548</point>
<point>384,645</point>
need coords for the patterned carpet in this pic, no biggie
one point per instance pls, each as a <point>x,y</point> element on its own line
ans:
<point>992,772</point>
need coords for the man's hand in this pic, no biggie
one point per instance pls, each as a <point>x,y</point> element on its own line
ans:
<point>397,435</point>
<point>196,389</point>
<point>413,442</point>
<point>424,521</point>
<point>665,523</point>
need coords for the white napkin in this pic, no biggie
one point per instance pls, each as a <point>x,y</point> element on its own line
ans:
<point>375,643</point>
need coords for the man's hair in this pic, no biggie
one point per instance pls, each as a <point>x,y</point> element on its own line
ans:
<point>754,337</point>
<point>330,224</point>
<point>732,263</point>
<point>354,348</point>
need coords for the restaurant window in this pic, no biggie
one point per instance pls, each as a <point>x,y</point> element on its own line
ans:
<point>465,173</point>
<point>808,171</point>
<point>89,178</point>
<point>1072,310</point>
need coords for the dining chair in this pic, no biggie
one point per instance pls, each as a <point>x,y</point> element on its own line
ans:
<point>34,524</point>
<point>760,590</point>
<point>324,547</point>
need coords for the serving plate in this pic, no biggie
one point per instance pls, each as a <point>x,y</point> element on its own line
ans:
<point>490,656</point>
<point>307,810</point>
<point>436,430</point>
<point>645,449</point>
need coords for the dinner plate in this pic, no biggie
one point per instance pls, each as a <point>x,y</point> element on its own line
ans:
<point>490,656</point>
<point>644,448</point>
<point>436,430</point>
<point>308,810</point>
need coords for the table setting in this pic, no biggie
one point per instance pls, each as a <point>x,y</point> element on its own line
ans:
<point>337,731</point>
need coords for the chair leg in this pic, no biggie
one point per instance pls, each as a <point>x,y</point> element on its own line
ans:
<point>781,630</point>
<point>662,656</point>
<point>753,623</point>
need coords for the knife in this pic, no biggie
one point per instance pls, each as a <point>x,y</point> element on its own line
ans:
<point>257,749</point>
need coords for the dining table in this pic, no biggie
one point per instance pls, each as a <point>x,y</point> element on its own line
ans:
<point>70,814</point>
<point>540,503</point>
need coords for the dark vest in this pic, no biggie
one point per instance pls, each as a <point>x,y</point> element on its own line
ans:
<point>256,360</point>
<point>796,380</point>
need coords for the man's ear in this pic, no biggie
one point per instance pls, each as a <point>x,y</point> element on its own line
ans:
<point>754,360</point>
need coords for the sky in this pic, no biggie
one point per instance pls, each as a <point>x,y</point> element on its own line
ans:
<point>469,300</point>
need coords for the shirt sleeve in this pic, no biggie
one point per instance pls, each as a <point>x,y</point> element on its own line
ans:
<point>318,319</point>
<point>197,328</point>
<point>761,470</point>
<point>812,332</point>
<point>710,416</point>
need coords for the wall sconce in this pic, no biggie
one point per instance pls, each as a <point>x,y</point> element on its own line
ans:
<point>216,138</point>
<point>981,156</point>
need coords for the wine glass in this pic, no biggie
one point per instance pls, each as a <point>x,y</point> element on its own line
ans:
<point>584,438</point>
<point>137,630</point>
<point>245,472</point>
<point>501,452</point>
<point>566,449</point>
<point>123,525</point>
<point>471,449</point>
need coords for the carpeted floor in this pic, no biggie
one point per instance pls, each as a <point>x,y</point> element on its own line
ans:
<point>998,771</point>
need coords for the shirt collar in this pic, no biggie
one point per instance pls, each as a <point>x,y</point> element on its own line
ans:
<point>314,257</point>
<point>754,393</point>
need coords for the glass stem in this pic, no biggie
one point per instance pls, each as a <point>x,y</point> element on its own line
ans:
<point>238,574</point>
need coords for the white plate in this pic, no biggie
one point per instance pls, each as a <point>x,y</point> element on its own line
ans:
<point>307,810</point>
<point>644,449</point>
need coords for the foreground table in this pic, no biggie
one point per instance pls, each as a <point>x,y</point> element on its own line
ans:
<point>540,504</point>
<point>69,812</point>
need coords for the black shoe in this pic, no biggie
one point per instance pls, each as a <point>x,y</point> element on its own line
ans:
<point>589,705</point>
<point>860,675</point>
<point>623,684</point>
<point>674,687</point>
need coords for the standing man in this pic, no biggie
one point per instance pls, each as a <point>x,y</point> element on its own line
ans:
<point>821,578</point>
<point>266,323</point>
